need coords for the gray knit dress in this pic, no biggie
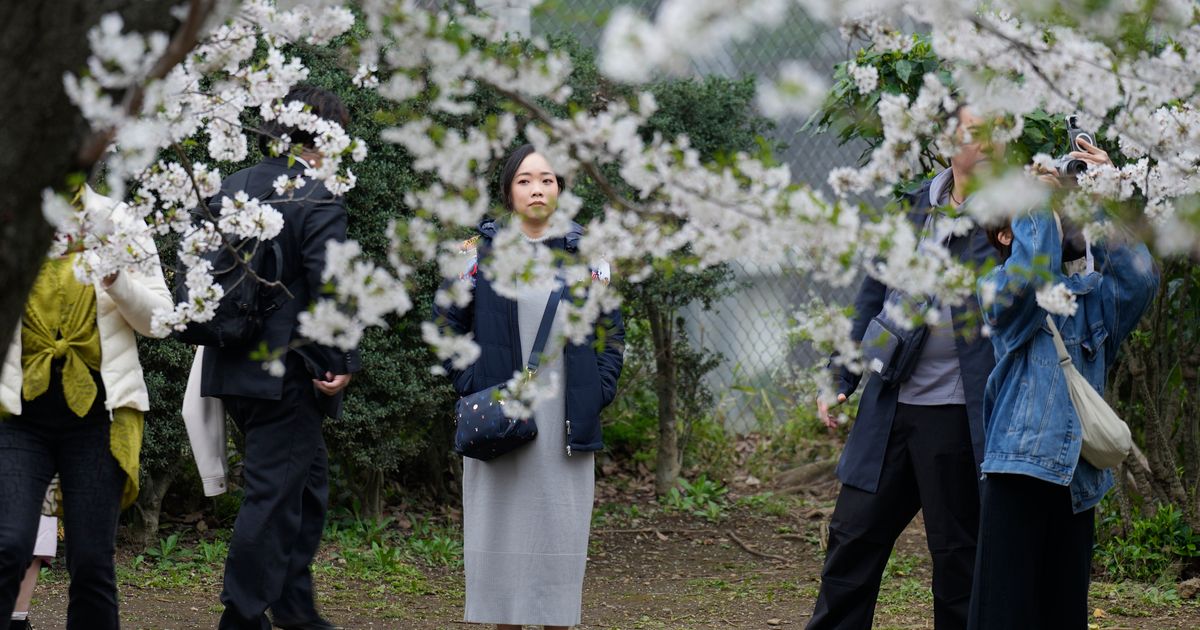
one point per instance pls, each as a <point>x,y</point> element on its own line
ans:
<point>527,514</point>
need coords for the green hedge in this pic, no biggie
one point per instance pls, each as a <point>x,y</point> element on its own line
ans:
<point>397,423</point>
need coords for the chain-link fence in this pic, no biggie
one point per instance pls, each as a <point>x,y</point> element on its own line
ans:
<point>749,328</point>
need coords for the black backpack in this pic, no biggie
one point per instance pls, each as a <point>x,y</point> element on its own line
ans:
<point>247,303</point>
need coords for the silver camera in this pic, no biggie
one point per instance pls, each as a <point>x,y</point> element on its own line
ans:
<point>1067,166</point>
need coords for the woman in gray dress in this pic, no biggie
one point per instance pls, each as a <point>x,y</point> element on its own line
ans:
<point>527,514</point>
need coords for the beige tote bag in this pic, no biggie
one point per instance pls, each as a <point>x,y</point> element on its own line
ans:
<point>1106,437</point>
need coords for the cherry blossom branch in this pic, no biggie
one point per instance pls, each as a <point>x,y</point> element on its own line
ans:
<point>592,169</point>
<point>185,39</point>
<point>226,242</point>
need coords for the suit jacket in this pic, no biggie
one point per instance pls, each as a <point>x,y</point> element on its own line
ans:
<point>312,216</point>
<point>862,458</point>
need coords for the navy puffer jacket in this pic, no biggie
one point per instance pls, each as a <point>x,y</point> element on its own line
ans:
<point>591,374</point>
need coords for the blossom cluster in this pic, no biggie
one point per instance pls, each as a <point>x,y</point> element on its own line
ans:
<point>207,93</point>
<point>1007,61</point>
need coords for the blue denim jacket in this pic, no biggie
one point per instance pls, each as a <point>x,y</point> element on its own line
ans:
<point>1030,424</point>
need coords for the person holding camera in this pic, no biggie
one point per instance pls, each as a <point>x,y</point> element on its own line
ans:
<point>1039,491</point>
<point>918,436</point>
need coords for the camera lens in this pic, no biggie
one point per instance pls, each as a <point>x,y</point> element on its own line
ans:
<point>1075,167</point>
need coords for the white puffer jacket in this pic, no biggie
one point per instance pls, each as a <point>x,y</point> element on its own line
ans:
<point>121,309</point>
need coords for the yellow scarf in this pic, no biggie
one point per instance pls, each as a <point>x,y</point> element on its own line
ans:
<point>60,323</point>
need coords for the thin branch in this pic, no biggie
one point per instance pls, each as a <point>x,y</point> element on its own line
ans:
<point>653,530</point>
<point>1029,54</point>
<point>226,242</point>
<point>754,552</point>
<point>181,44</point>
<point>589,166</point>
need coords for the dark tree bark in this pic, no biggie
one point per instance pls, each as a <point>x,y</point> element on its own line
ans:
<point>146,511</point>
<point>668,460</point>
<point>369,490</point>
<point>41,132</point>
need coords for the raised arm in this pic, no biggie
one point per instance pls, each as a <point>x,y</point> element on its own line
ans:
<point>1007,293</point>
<point>1130,280</point>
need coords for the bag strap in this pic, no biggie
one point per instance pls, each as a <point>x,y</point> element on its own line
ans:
<point>1064,359</point>
<point>543,334</point>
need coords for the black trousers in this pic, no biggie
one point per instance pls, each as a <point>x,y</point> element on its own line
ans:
<point>51,439</point>
<point>282,517</point>
<point>1035,557</point>
<point>929,465</point>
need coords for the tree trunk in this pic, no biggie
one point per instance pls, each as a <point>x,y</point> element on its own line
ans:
<point>667,463</point>
<point>370,493</point>
<point>442,469</point>
<point>41,132</point>
<point>143,527</point>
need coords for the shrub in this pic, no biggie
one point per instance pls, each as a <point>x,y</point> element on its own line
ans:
<point>703,497</point>
<point>1152,549</point>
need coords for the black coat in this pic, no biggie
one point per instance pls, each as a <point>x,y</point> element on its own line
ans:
<point>862,457</point>
<point>311,218</point>
<point>591,375</point>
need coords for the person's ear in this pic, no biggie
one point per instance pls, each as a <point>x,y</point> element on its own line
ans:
<point>1005,237</point>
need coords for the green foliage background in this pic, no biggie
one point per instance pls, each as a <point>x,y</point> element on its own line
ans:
<point>397,423</point>
<point>851,115</point>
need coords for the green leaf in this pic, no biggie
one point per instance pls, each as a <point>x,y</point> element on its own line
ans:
<point>904,69</point>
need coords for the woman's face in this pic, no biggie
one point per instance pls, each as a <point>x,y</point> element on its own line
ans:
<point>979,149</point>
<point>534,190</point>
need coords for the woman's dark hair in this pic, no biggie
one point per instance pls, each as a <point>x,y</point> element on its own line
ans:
<point>322,103</point>
<point>993,237</point>
<point>509,173</point>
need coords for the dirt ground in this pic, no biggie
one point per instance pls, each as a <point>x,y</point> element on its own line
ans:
<point>751,569</point>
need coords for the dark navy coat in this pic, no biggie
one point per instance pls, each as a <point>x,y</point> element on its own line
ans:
<point>862,457</point>
<point>591,375</point>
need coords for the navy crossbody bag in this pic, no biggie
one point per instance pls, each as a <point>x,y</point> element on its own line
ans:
<point>484,431</point>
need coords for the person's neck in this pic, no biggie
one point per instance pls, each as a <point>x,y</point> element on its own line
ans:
<point>962,179</point>
<point>534,229</point>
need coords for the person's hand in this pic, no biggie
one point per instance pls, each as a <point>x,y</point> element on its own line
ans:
<point>1047,176</point>
<point>823,411</point>
<point>332,384</point>
<point>1092,154</point>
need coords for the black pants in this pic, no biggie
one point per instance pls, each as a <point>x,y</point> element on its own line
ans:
<point>1035,557</point>
<point>928,465</point>
<point>279,526</point>
<point>33,447</point>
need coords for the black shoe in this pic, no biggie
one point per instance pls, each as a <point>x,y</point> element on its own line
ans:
<point>20,625</point>
<point>315,624</point>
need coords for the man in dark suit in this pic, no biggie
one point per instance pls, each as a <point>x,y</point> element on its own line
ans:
<point>279,526</point>
<point>915,445</point>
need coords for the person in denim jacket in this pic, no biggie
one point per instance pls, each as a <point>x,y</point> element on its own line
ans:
<point>1038,496</point>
